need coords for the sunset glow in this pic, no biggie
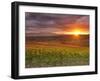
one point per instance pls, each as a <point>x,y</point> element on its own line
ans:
<point>74,32</point>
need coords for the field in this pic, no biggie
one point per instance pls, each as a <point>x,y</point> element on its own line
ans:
<point>51,51</point>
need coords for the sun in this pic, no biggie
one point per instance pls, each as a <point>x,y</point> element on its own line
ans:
<point>76,33</point>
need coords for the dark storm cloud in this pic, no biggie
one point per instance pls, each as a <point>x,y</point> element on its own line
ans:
<point>49,23</point>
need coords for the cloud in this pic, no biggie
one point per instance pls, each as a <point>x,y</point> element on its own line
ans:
<point>42,23</point>
<point>83,20</point>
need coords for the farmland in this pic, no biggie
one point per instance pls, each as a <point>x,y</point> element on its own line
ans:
<point>54,51</point>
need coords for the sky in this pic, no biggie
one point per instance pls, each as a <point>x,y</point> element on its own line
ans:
<point>48,24</point>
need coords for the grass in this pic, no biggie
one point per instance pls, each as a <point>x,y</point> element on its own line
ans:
<point>40,56</point>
